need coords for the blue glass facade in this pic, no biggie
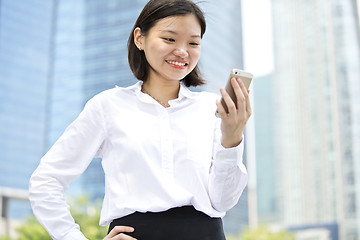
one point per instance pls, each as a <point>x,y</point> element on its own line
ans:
<point>25,33</point>
<point>222,44</point>
<point>107,28</point>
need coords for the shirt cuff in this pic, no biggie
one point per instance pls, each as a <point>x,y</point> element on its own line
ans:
<point>74,235</point>
<point>232,156</point>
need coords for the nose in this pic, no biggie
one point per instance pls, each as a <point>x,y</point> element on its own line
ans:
<point>181,52</point>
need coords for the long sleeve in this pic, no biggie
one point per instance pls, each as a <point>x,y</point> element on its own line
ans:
<point>228,175</point>
<point>66,160</point>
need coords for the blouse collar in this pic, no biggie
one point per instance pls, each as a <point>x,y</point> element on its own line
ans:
<point>184,91</point>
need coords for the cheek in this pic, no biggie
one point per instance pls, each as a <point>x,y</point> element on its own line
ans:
<point>195,55</point>
<point>159,49</point>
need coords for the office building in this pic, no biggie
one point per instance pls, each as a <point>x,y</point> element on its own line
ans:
<point>315,96</point>
<point>265,161</point>
<point>25,54</point>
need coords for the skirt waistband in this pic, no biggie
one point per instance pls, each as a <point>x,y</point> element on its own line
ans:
<point>178,212</point>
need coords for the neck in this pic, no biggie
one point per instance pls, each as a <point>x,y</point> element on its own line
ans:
<point>162,92</point>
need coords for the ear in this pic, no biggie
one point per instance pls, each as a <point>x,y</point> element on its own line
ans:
<point>138,38</point>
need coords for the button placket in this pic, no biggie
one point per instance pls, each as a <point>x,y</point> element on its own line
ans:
<point>167,160</point>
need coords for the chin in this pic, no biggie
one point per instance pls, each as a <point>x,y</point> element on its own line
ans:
<point>177,77</point>
<point>180,76</point>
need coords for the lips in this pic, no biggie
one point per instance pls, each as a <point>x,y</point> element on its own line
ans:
<point>177,63</point>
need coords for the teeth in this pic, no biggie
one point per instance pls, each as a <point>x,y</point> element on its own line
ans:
<point>176,63</point>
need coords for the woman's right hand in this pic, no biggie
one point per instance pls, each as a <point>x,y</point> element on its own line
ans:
<point>117,233</point>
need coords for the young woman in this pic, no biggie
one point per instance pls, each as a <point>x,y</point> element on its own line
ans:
<point>172,169</point>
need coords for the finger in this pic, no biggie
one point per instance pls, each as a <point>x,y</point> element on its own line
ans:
<point>243,98</point>
<point>244,90</point>
<point>122,236</point>
<point>240,98</point>
<point>247,98</point>
<point>228,101</point>
<point>120,229</point>
<point>220,109</point>
<point>248,106</point>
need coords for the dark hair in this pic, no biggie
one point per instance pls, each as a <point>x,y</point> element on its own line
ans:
<point>154,11</point>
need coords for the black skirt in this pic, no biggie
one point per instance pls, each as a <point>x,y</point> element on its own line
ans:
<point>183,223</point>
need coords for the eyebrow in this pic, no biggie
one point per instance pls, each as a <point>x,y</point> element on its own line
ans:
<point>172,32</point>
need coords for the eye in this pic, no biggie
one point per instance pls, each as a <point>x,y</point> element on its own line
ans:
<point>194,44</point>
<point>169,39</point>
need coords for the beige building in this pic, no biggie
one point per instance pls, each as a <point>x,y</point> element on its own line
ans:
<point>316,113</point>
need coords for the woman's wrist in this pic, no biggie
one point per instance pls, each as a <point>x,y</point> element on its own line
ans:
<point>230,142</point>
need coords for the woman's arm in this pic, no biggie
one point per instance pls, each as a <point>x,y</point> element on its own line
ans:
<point>228,175</point>
<point>66,160</point>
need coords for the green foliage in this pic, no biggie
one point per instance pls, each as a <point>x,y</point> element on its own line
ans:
<point>32,230</point>
<point>4,238</point>
<point>86,214</point>
<point>262,233</point>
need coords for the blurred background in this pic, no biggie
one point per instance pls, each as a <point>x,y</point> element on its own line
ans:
<point>302,141</point>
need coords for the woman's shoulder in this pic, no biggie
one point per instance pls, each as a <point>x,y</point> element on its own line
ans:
<point>115,92</point>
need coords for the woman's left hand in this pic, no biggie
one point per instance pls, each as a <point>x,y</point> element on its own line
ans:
<point>233,123</point>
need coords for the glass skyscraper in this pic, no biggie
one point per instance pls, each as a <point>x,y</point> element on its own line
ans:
<point>55,55</point>
<point>265,160</point>
<point>222,44</point>
<point>24,63</point>
<point>25,58</point>
<point>315,94</point>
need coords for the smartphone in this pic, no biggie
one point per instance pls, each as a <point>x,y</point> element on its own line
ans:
<point>245,77</point>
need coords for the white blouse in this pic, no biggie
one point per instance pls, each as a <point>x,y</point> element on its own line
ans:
<point>154,158</point>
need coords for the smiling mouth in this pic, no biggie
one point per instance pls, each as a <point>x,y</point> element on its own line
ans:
<point>181,64</point>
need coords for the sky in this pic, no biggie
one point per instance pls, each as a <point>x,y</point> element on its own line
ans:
<point>257,36</point>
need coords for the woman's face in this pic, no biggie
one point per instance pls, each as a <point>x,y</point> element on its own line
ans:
<point>172,47</point>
